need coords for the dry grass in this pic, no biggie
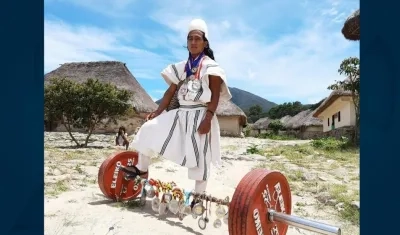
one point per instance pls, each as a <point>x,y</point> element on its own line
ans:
<point>70,168</point>
<point>331,176</point>
<point>325,179</point>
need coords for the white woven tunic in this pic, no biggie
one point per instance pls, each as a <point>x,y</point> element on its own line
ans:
<point>173,135</point>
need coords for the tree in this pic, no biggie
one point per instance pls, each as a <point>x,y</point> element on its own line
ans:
<point>350,67</point>
<point>255,110</point>
<point>84,105</point>
<point>287,108</point>
<point>254,113</point>
<point>275,126</point>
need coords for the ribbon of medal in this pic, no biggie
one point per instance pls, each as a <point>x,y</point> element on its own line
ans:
<point>193,68</point>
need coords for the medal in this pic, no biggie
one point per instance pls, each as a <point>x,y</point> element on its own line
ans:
<point>181,202</point>
<point>226,217</point>
<point>173,206</point>
<point>143,195</point>
<point>167,197</point>
<point>182,208</point>
<point>143,199</point>
<point>155,204</point>
<point>183,89</point>
<point>202,223</point>
<point>198,209</point>
<point>217,223</point>
<point>163,208</point>
<point>190,86</point>
<point>191,66</point>
<point>196,85</point>
<point>149,189</point>
<point>220,211</point>
<point>192,70</point>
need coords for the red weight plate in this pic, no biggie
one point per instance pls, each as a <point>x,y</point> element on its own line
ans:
<point>259,190</point>
<point>112,182</point>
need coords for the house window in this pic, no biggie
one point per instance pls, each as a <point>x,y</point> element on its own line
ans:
<point>328,121</point>
<point>338,116</point>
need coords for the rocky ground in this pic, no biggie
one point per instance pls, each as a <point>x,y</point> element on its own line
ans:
<point>325,187</point>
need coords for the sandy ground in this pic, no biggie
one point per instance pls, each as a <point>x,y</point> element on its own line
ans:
<point>74,205</point>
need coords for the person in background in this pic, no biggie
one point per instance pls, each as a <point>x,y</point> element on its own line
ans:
<point>121,139</point>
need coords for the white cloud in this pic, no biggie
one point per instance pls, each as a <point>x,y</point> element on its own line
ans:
<point>79,43</point>
<point>278,49</point>
<point>300,63</point>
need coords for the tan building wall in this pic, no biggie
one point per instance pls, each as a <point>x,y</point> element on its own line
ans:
<point>230,125</point>
<point>345,106</point>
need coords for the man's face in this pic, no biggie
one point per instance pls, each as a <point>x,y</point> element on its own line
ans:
<point>195,42</point>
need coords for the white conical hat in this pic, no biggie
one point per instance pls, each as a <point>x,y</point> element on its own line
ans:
<point>199,24</point>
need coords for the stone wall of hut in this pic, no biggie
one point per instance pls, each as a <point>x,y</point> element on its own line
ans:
<point>312,132</point>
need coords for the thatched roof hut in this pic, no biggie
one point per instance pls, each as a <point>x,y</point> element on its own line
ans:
<point>328,101</point>
<point>307,121</point>
<point>114,72</point>
<point>261,124</point>
<point>295,120</point>
<point>285,119</point>
<point>351,28</point>
<point>228,108</point>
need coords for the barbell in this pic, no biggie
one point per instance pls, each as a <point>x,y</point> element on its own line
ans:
<point>261,203</point>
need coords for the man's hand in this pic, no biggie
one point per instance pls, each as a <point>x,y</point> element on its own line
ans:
<point>205,125</point>
<point>153,115</point>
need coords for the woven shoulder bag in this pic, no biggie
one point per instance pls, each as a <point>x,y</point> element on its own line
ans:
<point>174,103</point>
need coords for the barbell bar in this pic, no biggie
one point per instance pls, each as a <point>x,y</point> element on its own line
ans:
<point>261,203</point>
<point>302,223</point>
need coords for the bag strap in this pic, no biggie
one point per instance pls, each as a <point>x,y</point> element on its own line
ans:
<point>177,76</point>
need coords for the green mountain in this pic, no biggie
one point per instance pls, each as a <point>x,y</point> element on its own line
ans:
<point>245,100</point>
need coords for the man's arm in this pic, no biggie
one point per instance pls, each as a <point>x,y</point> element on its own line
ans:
<point>215,87</point>
<point>169,93</point>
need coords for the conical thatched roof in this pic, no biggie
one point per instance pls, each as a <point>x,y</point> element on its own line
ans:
<point>228,108</point>
<point>328,101</point>
<point>107,71</point>
<point>262,123</point>
<point>295,120</point>
<point>285,119</point>
<point>351,28</point>
<point>307,121</point>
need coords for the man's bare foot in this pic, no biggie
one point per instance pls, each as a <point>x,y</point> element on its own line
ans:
<point>133,171</point>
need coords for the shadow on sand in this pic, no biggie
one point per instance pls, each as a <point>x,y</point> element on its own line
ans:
<point>146,211</point>
<point>77,147</point>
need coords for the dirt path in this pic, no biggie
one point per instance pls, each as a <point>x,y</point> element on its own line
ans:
<point>74,204</point>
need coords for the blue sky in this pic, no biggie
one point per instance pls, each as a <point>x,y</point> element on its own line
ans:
<point>282,50</point>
